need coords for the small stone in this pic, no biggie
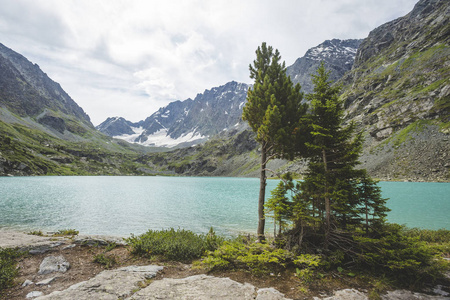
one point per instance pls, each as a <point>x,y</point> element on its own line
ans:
<point>34,294</point>
<point>69,246</point>
<point>57,244</point>
<point>40,250</point>
<point>27,283</point>
<point>46,281</point>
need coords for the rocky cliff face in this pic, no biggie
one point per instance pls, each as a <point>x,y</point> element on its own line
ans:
<point>337,55</point>
<point>27,91</point>
<point>399,87</point>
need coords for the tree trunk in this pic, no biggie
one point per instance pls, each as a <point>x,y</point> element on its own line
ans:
<point>262,194</point>
<point>327,201</point>
<point>367,217</point>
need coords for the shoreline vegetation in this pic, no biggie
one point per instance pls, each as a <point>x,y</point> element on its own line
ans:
<point>418,260</point>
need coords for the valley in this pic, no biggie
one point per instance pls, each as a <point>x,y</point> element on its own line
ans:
<point>395,86</point>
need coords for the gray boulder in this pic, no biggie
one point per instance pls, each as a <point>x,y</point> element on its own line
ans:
<point>52,264</point>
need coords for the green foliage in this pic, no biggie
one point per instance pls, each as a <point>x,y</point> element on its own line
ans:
<point>427,235</point>
<point>36,232</point>
<point>274,109</point>
<point>179,245</point>
<point>106,260</point>
<point>110,246</point>
<point>279,206</point>
<point>65,232</point>
<point>256,258</point>
<point>403,258</point>
<point>438,241</point>
<point>8,266</point>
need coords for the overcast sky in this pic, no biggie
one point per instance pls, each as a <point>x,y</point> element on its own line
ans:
<point>128,58</point>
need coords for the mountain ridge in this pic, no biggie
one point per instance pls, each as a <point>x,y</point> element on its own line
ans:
<point>192,121</point>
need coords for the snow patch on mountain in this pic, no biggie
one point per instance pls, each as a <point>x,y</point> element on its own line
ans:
<point>131,138</point>
<point>162,139</point>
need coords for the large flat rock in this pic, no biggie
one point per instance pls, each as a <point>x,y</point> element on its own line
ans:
<point>109,284</point>
<point>13,239</point>
<point>126,283</point>
<point>204,287</point>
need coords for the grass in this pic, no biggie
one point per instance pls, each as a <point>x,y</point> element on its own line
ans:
<point>66,232</point>
<point>37,232</point>
<point>108,261</point>
<point>8,267</point>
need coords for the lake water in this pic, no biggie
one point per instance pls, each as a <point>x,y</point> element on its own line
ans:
<point>125,205</point>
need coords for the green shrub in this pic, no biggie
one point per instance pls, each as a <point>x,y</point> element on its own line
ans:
<point>107,260</point>
<point>8,266</point>
<point>427,235</point>
<point>110,246</point>
<point>64,232</point>
<point>179,245</point>
<point>257,258</point>
<point>401,257</point>
<point>36,232</point>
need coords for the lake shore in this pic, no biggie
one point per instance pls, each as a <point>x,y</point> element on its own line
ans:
<point>80,250</point>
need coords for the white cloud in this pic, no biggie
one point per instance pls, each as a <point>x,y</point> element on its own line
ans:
<point>128,58</point>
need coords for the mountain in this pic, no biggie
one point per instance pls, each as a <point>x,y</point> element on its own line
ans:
<point>44,132</point>
<point>28,92</point>
<point>117,126</point>
<point>337,55</point>
<point>183,123</point>
<point>398,91</point>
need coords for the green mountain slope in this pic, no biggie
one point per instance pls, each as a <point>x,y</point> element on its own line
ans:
<point>399,93</point>
<point>44,132</point>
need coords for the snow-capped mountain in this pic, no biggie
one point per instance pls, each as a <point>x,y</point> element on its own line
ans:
<point>118,126</point>
<point>184,122</point>
<point>338,56</point>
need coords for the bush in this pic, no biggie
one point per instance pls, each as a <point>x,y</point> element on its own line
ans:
<point>257,258</point>
<point>64,232</point>
<point>429,236</point>
<point>36,232</point>
<point>8,267</point>
<point>179,245</point>
<point>106,260</point>
<point>400,256</point>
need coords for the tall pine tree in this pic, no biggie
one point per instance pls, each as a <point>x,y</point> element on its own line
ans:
<point>275,112</point>
<point>332,183</point>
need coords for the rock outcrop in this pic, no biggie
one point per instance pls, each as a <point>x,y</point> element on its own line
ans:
<point>399,87</point>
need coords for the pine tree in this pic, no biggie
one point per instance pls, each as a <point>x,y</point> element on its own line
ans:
<point>332,179</point>
<point>275,112</point>
<point>279,205</point>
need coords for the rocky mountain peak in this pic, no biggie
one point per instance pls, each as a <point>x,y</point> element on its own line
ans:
<point>426,23</point>
<point>338,56</point>
<point>332,50</point>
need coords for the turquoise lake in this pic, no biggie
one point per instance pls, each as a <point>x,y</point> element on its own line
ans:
<point>124,205</point>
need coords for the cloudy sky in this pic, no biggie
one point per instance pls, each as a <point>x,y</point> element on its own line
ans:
<point>128,58</point>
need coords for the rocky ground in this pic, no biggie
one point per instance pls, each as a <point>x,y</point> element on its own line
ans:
<point>73,274</point>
